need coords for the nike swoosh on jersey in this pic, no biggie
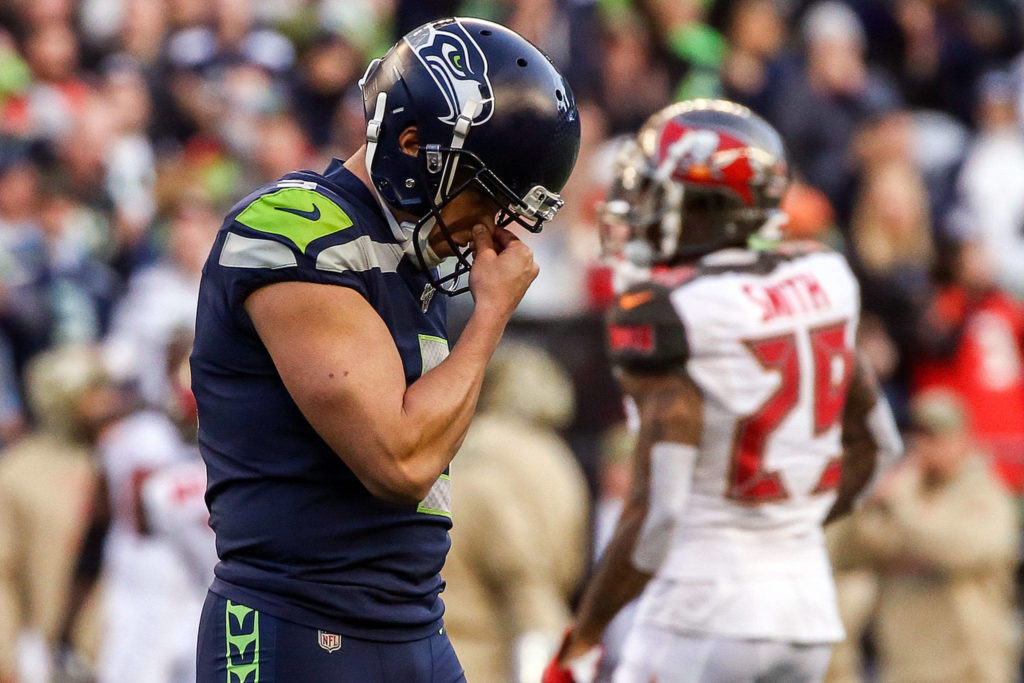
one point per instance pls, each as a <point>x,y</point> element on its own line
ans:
<point>629,301</point>
<point>281,213</point>
<point>313,215</point>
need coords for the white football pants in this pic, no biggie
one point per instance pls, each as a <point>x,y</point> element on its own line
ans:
<point>654,654</point>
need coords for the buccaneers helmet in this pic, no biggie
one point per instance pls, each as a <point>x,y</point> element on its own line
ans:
<point>491,113</point>
<point>701,175</point>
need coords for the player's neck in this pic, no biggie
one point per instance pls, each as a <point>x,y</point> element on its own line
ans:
<point>356,164</point>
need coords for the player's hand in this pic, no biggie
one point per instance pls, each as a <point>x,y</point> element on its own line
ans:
<point>575,662</point>
<point>503,269</point>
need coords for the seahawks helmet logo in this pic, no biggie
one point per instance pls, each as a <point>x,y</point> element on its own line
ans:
<point>457,65</point>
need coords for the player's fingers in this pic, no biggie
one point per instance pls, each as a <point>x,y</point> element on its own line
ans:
<point>504,237</point>
<point>482,240</point>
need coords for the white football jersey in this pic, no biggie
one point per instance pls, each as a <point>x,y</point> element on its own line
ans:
<point>149,601</point>
<point>173,498</point>
<point>768,338</point>
<point>130,453</point>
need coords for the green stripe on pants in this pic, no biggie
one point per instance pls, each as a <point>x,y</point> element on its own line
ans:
<point>240,636</point>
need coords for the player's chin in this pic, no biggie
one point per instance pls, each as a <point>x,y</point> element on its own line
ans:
<point>444,250</point>
<point>459,238</point>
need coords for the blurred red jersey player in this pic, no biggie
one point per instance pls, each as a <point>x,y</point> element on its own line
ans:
<point>972,346</point>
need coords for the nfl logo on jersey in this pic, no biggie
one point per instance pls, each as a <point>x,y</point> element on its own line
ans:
<point>329,641</point>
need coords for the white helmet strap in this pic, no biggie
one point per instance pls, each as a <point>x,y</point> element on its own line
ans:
<point>459,133</point>
<point>372,138</point>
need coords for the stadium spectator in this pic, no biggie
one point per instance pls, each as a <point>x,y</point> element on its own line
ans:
<point>753,68</point>
<point>888,139</point>
<point>327,70</point>
<point>568,250</point>
<point>892,252</point>
<point>130,162</point>
<point>946,46</point>
<point>283,148</point>
<point>50,104</point>
<point>149,600</point>
<point>24,310</point>
<point>991,182</point>
<point>941,533</point>
<point>634,82</point>
<point>79,288</point>
<point>47,481</point>
<point>81,164</point>
<point>520,521</point>
<point>972,345</point>
<point>819,107</point>
<point>161,300</point>
<point>856,594</point>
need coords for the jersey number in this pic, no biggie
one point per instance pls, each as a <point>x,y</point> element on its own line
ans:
<point>749,481</point>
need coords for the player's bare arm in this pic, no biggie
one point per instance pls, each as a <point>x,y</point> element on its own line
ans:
<point>706,287</point>
<point>346,375</point>
<point>870,439</point>
<point>671,409</point>
<point>330,398</point>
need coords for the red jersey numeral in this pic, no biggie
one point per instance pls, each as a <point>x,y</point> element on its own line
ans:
<point>749,482</point>
<point>833,368</point>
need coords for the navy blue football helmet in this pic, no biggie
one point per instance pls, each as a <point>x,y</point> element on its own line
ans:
<point>491,112</point>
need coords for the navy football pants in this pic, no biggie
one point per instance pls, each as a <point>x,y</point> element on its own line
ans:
<point>238,644</point>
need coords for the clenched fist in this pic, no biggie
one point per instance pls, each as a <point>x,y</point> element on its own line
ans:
<point>503,269</point>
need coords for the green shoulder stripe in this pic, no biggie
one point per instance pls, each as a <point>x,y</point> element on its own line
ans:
<point>296,213</point>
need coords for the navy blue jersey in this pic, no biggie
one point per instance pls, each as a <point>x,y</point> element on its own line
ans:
<point>298,536</point>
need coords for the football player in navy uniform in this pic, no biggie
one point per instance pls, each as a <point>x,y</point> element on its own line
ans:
<point>329,404</point>
<point>755,421</point>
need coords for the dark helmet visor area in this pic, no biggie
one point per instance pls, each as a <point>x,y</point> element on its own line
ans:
<point>447,172</point>
<point>713,218</point>
<point>665,221</point>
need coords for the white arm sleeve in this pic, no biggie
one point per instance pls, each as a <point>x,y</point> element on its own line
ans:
<point>632,415</point>
<point>886,435</point>
<point>533,650</point>
<point>671,478</point>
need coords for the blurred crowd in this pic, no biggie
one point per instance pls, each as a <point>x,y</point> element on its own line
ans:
<point>128,127</point>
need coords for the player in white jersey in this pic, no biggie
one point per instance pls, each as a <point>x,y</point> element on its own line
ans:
<point>173,496</point>
<point>150,605</point>
<point>173,499</point>
<point>756,422</point>
<point>145,581</point>
<point>176,514</point>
